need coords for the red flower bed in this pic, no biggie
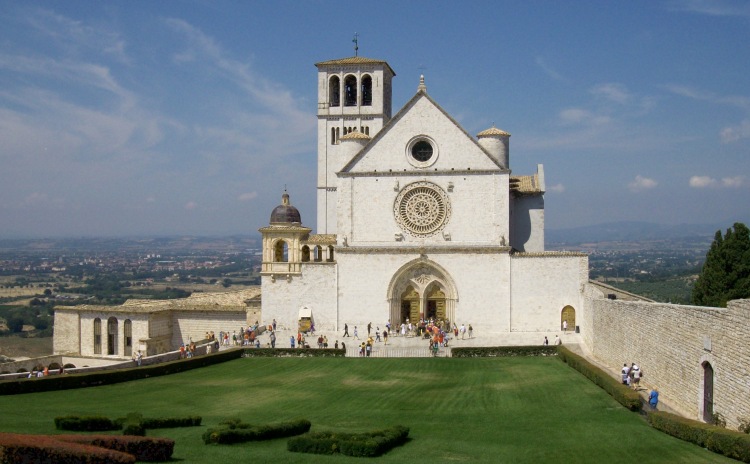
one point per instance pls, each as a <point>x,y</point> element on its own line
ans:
<point>143,448</point>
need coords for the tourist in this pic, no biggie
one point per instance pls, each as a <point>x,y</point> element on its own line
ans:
<point>273,324</point>
<point>336,345</point>
<point>355,333</point>
<point>138,359</point>
<point>273,339</point>
<point>385,337</point>
<point>368,347</point>
<point>565,326</point>
<point>325,341</point>
<point>346,330</point>
<point>653,398</point>
<point>471,330</point>
<point>463,331</point>
<point>291,340</point>
<point>377,334</point>
<point>362,349</point>
<point>625,374</point>
<point>557,341</point>
<point>636,373</point>
<point>455,330</point>
<point>546,342</point>
<point>369,328</point>
<point>257,342</point>
<point>343,347</point>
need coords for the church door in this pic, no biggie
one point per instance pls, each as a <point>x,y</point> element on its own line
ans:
<point>568,315</point>
<point>435,304</point>
<point>410,305</point>
<point>708,393</point>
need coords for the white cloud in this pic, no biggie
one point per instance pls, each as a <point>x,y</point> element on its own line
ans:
<point>557,188</point>
<point>702,182</point>
<point>612,91</point>
<point>190,205</point>
<point>248,196</point>
<point>738,101</point>
<point>733,182</point>
<point>713,7</point>
<point>548,70</point>
<point>582,116</point>
<point>735,133</point>
<point>641,183</point>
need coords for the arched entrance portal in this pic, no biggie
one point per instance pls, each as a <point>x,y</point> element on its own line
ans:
<point>708,392</point>
<point>422,289</point>
<point>568,315</point>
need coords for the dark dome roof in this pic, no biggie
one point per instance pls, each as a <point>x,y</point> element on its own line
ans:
<point>285,213</point>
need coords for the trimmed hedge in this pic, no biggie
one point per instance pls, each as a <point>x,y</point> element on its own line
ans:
<point>95,379</point>
<point>143,448</point>
<point>171,422</point>
<point>15,448</point>
<point>237,432</point>
<point>621,393</point>
<point>368,444</point>
<point>733,444</point>
<point>293,353</point>
<point>503,351</point>
<point>86,423</point>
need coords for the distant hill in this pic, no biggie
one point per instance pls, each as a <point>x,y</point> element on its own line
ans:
<point>631,231</point>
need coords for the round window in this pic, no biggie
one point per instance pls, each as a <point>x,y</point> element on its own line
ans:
<point>422,209</point>
<point>421,151</point>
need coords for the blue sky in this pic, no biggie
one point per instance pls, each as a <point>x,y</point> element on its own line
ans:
<point>142,117</point>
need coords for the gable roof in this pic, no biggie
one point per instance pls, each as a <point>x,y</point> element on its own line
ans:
<point>421,94</point>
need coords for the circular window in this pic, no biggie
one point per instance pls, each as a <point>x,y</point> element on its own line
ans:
<point>421,151</point>
<point>422,209</point>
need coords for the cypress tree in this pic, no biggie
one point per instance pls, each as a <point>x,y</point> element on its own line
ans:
<point>726,272</point>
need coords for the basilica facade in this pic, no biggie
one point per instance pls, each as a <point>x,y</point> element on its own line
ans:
<point>417,219</point>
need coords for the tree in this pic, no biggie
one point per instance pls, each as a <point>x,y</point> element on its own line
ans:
<point>726,272</point>
<point>15,324</point>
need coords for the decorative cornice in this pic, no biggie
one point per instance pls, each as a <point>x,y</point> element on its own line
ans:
<point>421,250</point>
<point>548,254</point>
<point>423,173</point>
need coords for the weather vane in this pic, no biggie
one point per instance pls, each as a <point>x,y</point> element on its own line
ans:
<point>356,43</point>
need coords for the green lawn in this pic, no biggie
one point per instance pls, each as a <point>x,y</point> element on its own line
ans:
<point>512,410</point>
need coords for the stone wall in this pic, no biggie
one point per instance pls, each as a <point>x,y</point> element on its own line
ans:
<point>671,343</point>
<point>67,338</point>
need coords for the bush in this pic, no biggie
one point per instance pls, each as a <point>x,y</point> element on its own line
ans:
<point>503,351</point>
<point>735,445</point>
<point>621,393</point>
<point>86,423</point>
<point>680,427</point>
<point>143,448</point>
<point>237,432</point>
<point>15,448</point>
<point>369,444</point>
<point>292,352</point>
<point>171,422</point>
<point>744,425</point>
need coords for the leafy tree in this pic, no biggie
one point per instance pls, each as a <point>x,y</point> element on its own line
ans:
<point>15,324</point>
<point>726,272</point>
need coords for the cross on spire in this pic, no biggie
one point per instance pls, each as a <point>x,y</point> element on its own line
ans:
<point>356,43</point>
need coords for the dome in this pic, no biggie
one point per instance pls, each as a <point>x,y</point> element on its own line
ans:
<point>493,131</point>
<point>285,213</point>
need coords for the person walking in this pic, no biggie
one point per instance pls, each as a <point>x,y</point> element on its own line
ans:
<point>346,330</point>
<point>653,398</point>
<point>355,333</point>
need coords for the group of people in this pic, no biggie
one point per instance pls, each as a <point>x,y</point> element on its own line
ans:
<point>556,342</point>
<point>423,329</point>
<point>631,376</point>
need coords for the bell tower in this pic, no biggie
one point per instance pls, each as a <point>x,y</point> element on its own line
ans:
<point>354,94</point>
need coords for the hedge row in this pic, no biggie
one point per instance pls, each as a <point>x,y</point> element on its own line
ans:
<point>238,432</point>
<point>503,351</point>
<point>621,393</point>
<point>142,448</point>
<point>733,444</point>
<point>86,423</point>
<point>370,444</point>
<point>15,448</point>
<point>93,379</point>
<point>293,353</point>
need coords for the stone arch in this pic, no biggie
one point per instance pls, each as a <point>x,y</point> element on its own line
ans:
<point>54,366</point>
<point>330,253</point>
<point>425,277</point>
<point>334,91</point>
<point>97,336</point>
<point>350,90</point>
<point>305,254</point>
<point>568,315</point>
<point>366,90</point>
<point>706,390</point>
<point>69,366</point>
<point>318,255</point>
<point>112,327</point>
<point>280,251</point>
<point>127,327</point>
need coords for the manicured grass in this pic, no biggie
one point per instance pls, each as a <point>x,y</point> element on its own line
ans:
<point>458,410</point>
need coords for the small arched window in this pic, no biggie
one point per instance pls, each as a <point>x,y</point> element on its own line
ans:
<point>334,91</point>
<point>305,254</point>
<point>330,253</point>
<point>350,91</point>
<point>112,336</point>
<point>318,253</point>
<point>97,336</point>
<point>128,332</point>
<point>367,91</point>
<point>280,252</point>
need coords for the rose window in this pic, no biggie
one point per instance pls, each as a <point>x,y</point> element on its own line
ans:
<point>422,209</point>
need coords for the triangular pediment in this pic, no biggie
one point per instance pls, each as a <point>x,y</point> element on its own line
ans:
<point>421,118</point>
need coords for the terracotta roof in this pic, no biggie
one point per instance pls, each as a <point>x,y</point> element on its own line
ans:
<point>355,60</point>
<point>327,239</point>
<point>356,135</point>
<point>492,131</point>
<point>525,185</point>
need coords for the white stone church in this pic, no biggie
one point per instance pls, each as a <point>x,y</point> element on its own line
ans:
<point>417,219</point>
